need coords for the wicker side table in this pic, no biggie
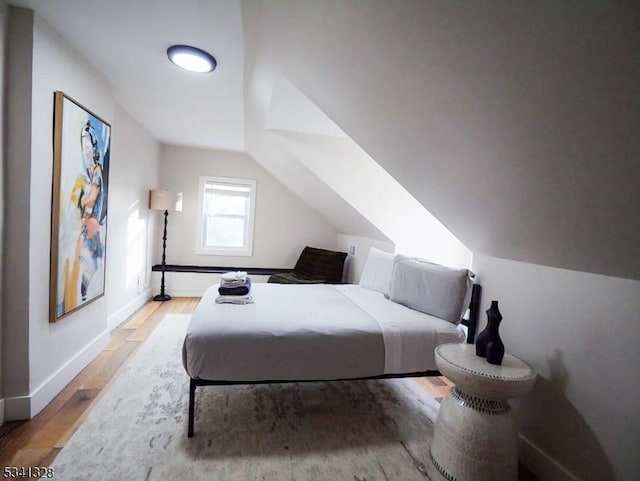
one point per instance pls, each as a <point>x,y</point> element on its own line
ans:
<point>475,436</point>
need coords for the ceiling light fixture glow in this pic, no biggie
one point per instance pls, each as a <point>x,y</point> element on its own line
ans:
<point>191,58</point>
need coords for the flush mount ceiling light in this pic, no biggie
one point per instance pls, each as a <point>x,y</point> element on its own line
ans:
<point>191,58</point>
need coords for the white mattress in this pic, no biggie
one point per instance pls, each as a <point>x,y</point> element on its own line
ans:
<point>303,332</point>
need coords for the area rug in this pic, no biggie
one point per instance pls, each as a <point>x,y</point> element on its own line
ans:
<point>137,431</point>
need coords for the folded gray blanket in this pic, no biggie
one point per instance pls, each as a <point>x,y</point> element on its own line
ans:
<point>241,290</point>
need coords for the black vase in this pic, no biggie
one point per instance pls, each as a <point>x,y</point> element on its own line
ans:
<point>488,342</point>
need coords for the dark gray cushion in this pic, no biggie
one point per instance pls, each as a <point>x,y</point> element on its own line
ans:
<point>314,266</point>
<point>292,278</point>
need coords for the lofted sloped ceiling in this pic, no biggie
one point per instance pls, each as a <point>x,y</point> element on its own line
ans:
<point>515,124</point>
<point>315,141</point>
<point>126,41</point>
<point>262,144</point>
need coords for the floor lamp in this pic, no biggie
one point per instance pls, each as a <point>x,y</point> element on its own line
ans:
<point>161,199</point>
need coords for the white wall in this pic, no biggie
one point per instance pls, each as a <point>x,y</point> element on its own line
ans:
<point>580,331</point>
<point>366,186</point>
<point>283,223</point>
<point>56,66</point>
<point>44,356</point>
<point>132,227</point>
<point>354,264</point>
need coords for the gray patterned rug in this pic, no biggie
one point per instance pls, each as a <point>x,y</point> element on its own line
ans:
<point>356,431</point>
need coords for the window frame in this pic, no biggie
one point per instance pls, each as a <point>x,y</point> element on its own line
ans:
<point>247,249</point>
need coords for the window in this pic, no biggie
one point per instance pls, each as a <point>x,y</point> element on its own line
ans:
<point>225,224</point>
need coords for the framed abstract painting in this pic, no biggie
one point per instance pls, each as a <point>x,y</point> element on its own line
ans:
<point>81,149</point>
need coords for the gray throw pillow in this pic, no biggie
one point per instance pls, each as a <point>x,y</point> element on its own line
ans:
<point>431,288</point>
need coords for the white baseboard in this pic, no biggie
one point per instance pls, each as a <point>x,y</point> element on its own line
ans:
<point>1,412</point>
<point>540,463</point>
<point>25,407</point>
<point>121,315</point>
<point>187,292</point>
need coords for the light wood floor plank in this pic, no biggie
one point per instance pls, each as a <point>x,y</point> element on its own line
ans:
<point>140,317</point>
<point>102,377</point>
<point>38,440</point>
<point>117,337</point>
<point>438,387</point>
<point>50,434</point>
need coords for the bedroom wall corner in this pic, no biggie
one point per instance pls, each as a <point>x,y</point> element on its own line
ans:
<point>579,331</point>
<point>17,151</point>
<point>3,44</point>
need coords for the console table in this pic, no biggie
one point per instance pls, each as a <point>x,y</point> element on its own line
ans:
<point>475,436</point>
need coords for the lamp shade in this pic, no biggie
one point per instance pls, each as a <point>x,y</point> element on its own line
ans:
<point>162,199</point>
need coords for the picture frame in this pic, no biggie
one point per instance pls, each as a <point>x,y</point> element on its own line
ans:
<point>80,188</point>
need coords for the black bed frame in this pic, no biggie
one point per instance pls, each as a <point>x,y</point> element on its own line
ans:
<point>471,323</point>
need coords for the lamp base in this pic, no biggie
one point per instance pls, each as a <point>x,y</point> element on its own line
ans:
<point>162,297</point>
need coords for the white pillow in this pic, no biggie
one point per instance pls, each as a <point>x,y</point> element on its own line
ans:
<point>431,288</point>
<point>376,274</point>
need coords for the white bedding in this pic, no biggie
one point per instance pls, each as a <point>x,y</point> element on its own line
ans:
<point>303,332</point>
<point>410,337</point>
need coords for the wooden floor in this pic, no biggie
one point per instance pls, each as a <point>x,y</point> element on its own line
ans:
<point>38,441</point>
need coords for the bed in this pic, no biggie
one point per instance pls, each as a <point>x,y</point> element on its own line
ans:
<point>323,332</point>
